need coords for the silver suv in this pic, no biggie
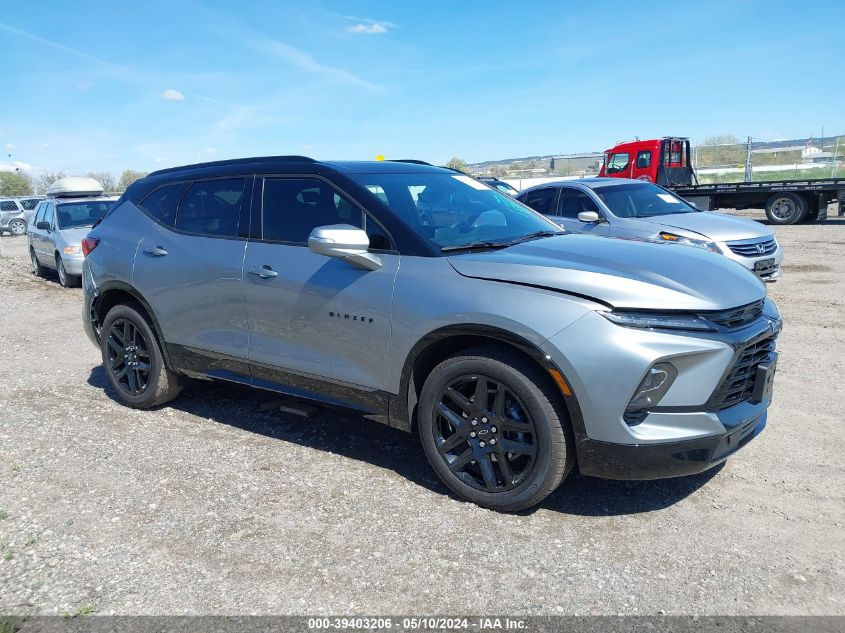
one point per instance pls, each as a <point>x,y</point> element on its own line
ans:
<point>620,207</point>
<point>513,349</point>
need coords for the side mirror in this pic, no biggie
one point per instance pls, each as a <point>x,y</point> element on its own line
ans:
<point>589,217</point>
<point>43,226</point>
<point>346,242</point>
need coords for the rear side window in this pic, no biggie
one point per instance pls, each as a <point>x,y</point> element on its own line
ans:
<point>161,203</point>
<point>644,160</point>
<point>212,207</point>
<point>8,205</point>
<point>540,200</point>
<point>292,207</point>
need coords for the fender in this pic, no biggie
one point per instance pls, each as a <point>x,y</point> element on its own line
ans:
<point>402,406</point>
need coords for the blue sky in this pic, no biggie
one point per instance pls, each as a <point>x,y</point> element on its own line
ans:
<point>93,86</point>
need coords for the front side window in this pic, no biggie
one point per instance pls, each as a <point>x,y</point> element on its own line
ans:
<point>293,207</point>
<point>541,200</point>
<point>39,214</point>
<point>28,204</point>
<point>454,211</point>
<point>212,207</point>
<point>641,200</point>
<point>643,159</point>
<point>76,214</point>
<point>617,163</point>
<point>573,202</point>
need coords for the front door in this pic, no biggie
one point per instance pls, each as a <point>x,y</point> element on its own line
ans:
<point>573,201</point>
<point>311,316</point>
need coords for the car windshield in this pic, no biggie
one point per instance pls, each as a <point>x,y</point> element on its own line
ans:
<point>76,214</point>
<point>641,200</point>
<point>453,211</point>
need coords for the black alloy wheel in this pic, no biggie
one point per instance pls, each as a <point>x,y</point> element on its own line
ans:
<point>484,433</point>
<point>128,357</point>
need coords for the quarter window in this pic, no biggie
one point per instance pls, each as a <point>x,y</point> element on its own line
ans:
<point>292,207</point>
<point>161,203</point>
<point>540,200</point>
<point>212,207</point>
<point>643,159</point>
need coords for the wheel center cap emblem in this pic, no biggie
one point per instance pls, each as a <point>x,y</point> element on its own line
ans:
<point>483,432</point>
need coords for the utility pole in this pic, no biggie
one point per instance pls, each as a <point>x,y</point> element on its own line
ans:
<point>748,171</point>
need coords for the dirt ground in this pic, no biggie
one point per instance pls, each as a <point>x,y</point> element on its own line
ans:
<point>215,505</point>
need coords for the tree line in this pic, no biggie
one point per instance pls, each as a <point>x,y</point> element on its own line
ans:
<point>22,184</point>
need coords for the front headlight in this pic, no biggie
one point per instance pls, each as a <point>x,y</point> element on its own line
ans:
<point>688,241</point>
<point>652,320</point>
<point>73,250</point>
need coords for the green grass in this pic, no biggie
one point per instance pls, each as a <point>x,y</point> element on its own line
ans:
<point>82,611</point>
<point>4,514</point>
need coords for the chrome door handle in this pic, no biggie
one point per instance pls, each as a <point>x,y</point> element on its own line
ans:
<point>155,251</point>
<point>265,272</point>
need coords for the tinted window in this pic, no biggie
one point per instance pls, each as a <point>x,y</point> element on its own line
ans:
<point>540,200</point>
<point>161,203</point>
<point>78,214</point>
<point>39,215</point>
<point>617,163</point>
<point>573,202</point>
<point>8,205</point>
<point>643,159</point>
<point>293,207</point>
<point>212,207</point>
<point>29,203</point>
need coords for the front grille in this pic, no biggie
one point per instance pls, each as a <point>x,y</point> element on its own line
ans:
<point>766,246</point>
<point>736,317</point>
<point>739,383</point>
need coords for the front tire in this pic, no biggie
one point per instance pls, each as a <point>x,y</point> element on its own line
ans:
<point>65,279</point>
<point>493,429</point>
<point>133,360</point>
<point>785,208</point>
<point>37,268</point>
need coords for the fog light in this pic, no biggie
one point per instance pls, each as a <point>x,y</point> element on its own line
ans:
<point>653,387</point>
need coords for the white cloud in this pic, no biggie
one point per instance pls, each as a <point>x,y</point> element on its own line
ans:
<point>373,28</point>
<point>10,146</point>
<point>16,166</point>
<point>172,95</point>
<point>42,146</point>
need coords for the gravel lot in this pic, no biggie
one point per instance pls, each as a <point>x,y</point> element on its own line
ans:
<point>218,505</point>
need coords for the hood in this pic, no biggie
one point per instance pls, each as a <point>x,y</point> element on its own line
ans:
<point>74,236</point>
<point>718,227</point>
<point>622,273</point>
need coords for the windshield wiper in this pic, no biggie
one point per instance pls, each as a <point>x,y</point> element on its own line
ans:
<point>536,236</point>
<point>475,246</point>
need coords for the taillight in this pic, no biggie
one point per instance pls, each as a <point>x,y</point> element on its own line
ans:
<point>89,244</point>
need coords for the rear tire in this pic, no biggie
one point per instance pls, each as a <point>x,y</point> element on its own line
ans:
<point>133,361</point>
<point>37,268</point>
<point>785,208</point>
<point>504,457</point>
<point>17,227</point>
<point>65,279</point>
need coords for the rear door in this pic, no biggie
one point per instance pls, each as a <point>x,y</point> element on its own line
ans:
<point>573,201</point>
<point>189,267</point>
<point>312,316</point>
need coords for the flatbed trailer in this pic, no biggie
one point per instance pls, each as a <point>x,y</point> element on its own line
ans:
<point>667,162</point>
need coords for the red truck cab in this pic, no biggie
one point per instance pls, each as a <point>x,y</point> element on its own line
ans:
<point>665,161</point>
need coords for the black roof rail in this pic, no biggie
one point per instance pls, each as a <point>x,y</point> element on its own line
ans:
<point>237,161</point>
<point>413,161</point>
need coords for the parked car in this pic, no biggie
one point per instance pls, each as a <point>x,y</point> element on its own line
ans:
<point>12,217</point>
<point>60,222</point>
<point>502,186</point>
<point>514,350</point>
<point>615,207</point>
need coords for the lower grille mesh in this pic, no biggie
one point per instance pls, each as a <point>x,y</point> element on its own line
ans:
<point>739,384</point>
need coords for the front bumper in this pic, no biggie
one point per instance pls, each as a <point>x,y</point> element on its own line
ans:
<point>770,274</point>
<point>661,461</point>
